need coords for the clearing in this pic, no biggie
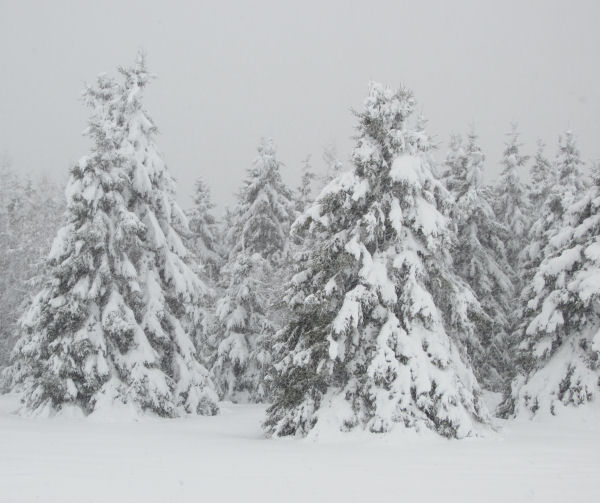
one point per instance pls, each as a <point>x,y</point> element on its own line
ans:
<point>227,458</point>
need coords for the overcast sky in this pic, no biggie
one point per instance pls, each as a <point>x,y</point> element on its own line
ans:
<point>230,72</point>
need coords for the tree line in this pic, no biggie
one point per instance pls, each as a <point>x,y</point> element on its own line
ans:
<point>397,295</point>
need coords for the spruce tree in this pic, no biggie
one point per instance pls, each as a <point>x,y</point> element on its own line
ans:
<point>480,259</point>
<point>553,314</point>
<point>10,280</point>
<point>247,313</point>
<point>570,167</point>
<point>560,350</point>
<point>109,326</point>
<point>511,204</point>
<point>562,184</point>
<point>542,179</point>
<point>204,241</point>
<point>304,193</point>
<point>555,187</point>
<point>376,313</point>
<point>31,211</point>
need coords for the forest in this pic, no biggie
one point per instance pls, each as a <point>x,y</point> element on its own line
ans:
<point>392,290</point>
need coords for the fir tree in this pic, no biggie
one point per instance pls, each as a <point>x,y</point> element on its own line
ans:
<point>480,259</point>
<point>30,213</point>
<point>511,204</point>
<point>9,275</point>
<point>204,228</point>
<point>542,179</point>
<point>110,324</point>
<point>552,239</point>
<point>205,242</point>
<point>257,240</point>
<point>376,312</point>
<point>560,350</point>
<point>554,190</point>
<point>304,195</point>
<point>570,167</point>
<point>563,186</point>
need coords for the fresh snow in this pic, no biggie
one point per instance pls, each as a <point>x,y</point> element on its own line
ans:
<point>408,169</point>
<point>227,458</point>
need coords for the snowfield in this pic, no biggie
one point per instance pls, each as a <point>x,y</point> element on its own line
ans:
<point>227,458</point>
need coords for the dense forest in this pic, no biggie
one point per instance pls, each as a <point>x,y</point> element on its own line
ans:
<point>392,288</point>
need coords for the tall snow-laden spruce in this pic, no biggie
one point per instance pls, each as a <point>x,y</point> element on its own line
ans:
<point>511,204</point>
<point>304,193</point>
<point>555,187</point>
<point>109,327</point>
<point>554,192</point>
<point>30,214</point>
<point>31,211</point>
<point>570,166</point>
<point>12,200</point>
<point>377,317</point>
<point>204,227</point>
<point>480,259</point>
<point>247,312</point>
<point>560,333</point>
<point>542,179</point>
<point>205,242</point>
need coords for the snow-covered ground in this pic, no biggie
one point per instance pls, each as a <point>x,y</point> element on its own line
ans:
<point>227,458</point>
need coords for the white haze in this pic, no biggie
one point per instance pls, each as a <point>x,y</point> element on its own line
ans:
<point>231,72</point>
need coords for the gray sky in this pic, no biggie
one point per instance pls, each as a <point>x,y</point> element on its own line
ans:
<point>231,72</point>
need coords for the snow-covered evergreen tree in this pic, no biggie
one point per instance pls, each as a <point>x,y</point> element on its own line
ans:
<point>31,211</point>
<point>377,314</point>
<point>257,239</point>
<point>560,351</point>
<point>109,327</point>
<point>9,280</point>
<point>204,228</point>
<point>542,179</point>
<point>553,314</point>
<point>480,259</point>
<point>304,193</point>
<point>511,204</point>
<point>570,167</point>
<point>205,242</point>
<point>566,182</point>
<point>554,189</point>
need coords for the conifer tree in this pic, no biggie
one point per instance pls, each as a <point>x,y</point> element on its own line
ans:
<point>377,314</point>
<point>205,242</point>
<point>204,228</point>
<point>109,326</point>
<point>560,349</point>
<point>571,178</point>
<point>304,194</point>
<point>9,275</point>
<point>548,295</point>
<point>258,244</point>
<point>480,259</point>
<point>564,183</point>
<point>31,211</point>
<point>542,179</point>
<point>511,204</point>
